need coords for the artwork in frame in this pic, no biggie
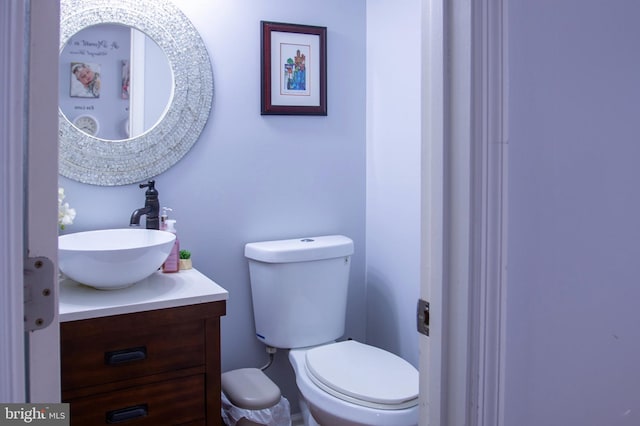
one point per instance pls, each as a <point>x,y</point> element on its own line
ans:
<point>294,69</point>
<point>125,79</point>
<point>85,80</point>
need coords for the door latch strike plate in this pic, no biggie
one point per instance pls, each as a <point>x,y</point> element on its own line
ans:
<point>423,317</point>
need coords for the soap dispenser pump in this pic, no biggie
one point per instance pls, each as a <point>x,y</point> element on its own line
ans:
<point>172,264</point>
<point>164,217</point>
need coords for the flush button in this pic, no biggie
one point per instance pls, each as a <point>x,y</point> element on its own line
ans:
<point>307,240</point>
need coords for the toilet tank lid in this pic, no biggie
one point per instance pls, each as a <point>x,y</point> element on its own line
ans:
<point>300,249</point>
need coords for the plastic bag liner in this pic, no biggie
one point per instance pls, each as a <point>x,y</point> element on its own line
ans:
<point>278,415</point>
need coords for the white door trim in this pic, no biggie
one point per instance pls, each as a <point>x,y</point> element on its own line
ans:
<point>464,211</point>
<point>12,137</point>
<point>42,188</point>
<point>489,213</point>
<point>433,383</point>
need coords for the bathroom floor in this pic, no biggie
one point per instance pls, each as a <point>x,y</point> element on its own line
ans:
<point>296,420</point>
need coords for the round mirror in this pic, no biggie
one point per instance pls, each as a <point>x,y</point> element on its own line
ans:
<point>135,89</point>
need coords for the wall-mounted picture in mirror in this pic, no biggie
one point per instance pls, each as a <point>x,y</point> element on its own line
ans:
<point>126,79</point>
<point>85,80</point>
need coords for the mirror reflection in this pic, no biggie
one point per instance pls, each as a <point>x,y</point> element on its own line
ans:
<point>115,82</point>
<point>113,158</point>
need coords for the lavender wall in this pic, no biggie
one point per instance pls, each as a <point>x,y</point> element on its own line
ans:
<point>573,341</point>
<point>393,174</point>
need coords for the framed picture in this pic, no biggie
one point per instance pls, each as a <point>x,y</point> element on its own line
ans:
<point>85,80</point>
<point>125,79</point>
<point>294,69</point>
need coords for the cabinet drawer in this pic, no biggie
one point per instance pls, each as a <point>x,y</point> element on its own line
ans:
<point>173,402</point>
<point>105,350</point>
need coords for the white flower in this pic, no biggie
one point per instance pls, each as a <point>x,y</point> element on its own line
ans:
<point>65,213</point>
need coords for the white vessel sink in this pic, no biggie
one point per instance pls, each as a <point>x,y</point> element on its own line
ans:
<point>113,258</point>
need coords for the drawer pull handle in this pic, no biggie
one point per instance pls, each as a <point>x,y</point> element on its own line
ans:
<point>128,413</point>
<point>125,355</point>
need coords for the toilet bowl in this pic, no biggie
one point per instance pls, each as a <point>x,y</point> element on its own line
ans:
<point>352,384</point>
<point>299,290</point>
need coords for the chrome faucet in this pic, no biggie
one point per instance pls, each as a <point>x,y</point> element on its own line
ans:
<point>151,207</point>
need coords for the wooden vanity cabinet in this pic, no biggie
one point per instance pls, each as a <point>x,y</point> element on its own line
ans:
<point>158,367</point>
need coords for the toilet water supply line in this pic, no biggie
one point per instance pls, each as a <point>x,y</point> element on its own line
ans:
<point>271,351</point>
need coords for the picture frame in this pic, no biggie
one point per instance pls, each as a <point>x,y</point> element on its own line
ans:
<point>294,69</point>
<point>85,80</point>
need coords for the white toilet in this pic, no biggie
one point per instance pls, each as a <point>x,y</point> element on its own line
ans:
<point>299,291</point>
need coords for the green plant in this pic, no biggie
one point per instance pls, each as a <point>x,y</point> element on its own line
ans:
<point>185,254</point>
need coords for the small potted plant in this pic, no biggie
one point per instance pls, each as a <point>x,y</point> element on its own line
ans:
<point>185,259</point>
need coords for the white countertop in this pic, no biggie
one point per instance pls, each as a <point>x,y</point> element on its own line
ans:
<point>158,291</point>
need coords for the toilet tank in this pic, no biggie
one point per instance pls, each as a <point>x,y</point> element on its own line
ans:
<point>299,289</point>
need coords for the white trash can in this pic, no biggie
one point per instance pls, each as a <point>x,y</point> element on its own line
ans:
<point>250,398</point>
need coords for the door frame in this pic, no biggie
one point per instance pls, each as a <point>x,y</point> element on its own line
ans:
<point>12,251</point>
<point>463,237</point>
<point>490,164</point>
<point>42,188</point>
<point>432,348</point>
<point>29,47</point>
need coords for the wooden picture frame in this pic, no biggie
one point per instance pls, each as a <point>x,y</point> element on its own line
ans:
<point>294,69</point>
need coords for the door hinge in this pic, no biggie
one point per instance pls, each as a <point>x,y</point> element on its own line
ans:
<point>39,303</point>
<point>423,317</point>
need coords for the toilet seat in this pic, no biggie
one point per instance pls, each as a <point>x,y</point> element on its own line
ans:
<point>363,375</point>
